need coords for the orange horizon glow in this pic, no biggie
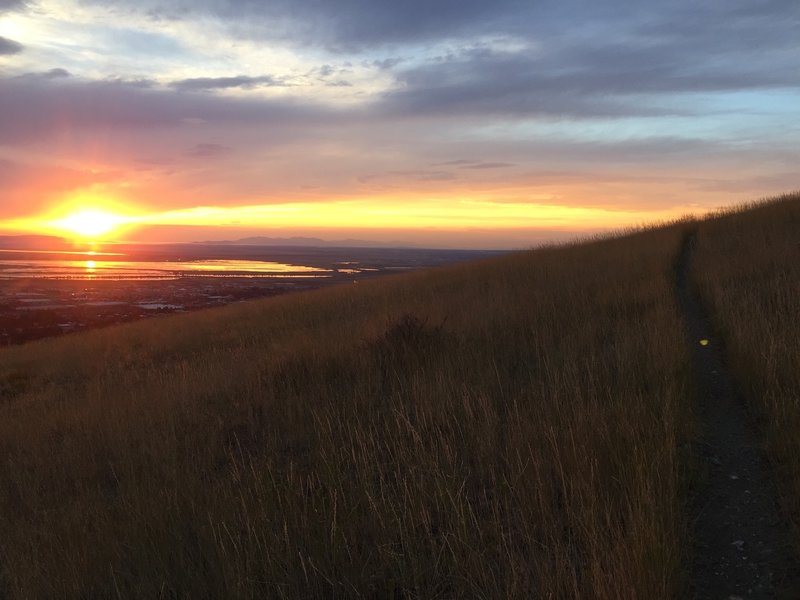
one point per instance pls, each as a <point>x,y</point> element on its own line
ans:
<point>93,219</point>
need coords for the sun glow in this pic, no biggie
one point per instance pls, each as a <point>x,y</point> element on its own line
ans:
<point>95,218</point>
<point>90,223</point>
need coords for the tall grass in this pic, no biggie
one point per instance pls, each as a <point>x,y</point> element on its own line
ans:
<point>747,266</point>
<point>509,428</point>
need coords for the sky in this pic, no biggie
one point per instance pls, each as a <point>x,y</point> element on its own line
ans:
<point>441,123</point>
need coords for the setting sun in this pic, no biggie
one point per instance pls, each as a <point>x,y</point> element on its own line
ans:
<point>90,223</point>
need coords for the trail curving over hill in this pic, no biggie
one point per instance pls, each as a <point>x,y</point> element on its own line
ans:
<point>741,546</point>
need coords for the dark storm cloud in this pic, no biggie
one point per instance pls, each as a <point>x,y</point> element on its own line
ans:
<point>221,83</point>
<point>8,46</point>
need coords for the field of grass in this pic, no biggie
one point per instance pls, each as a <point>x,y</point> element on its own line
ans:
<point>747,268</point>
<point>512,428</point>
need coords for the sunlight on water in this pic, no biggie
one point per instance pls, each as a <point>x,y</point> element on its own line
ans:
<point>60,268</point>
<point>248,266</point>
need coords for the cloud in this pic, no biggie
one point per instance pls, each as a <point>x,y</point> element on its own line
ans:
<point>43,104</point>
<point>730,27</point>
<point>597,78</point>
<point>359,26</point>
<point>496,84</point>
<point>342,26</point>
<point>386,64</point>
<point>422,175</point>
<point>455,163</point>
<point>8,46</point>
<point>221,83</point>
<point>57,73</point>
<point>462,163</point>
<point>488,165</point>
<point>9,5</point>
<point>208,150</point>
<point>573,59</point>
<point>326,72</point>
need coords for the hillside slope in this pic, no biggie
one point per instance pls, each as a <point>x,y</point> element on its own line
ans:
<point>508,428</point>
<point>747,269</point>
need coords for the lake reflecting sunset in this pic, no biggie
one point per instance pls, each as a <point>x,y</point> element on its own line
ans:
<point>90,266</point>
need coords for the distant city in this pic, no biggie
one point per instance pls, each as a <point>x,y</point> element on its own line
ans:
<point>50,287</point>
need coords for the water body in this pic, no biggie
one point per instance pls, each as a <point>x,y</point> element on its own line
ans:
<point>141,262</point>
<point>116,266</point>
<point>47,292</point>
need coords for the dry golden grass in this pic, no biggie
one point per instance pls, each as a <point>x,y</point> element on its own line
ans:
<point>511,428</point>
<point>747,267</point>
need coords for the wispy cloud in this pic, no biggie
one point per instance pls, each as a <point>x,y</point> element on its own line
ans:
<point>221,83</point>
<point>208,150</point>
<point>487,165</point>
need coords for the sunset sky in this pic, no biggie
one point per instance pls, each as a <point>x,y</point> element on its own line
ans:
<point>450,123</point>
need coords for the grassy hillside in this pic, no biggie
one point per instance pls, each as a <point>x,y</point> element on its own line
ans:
<point>747,266</point>
<point>510,428</point>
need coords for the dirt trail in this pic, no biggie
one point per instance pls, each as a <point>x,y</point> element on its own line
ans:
<point>741,546</point>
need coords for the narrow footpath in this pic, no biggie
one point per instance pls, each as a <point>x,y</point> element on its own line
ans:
<point>741,547</point>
